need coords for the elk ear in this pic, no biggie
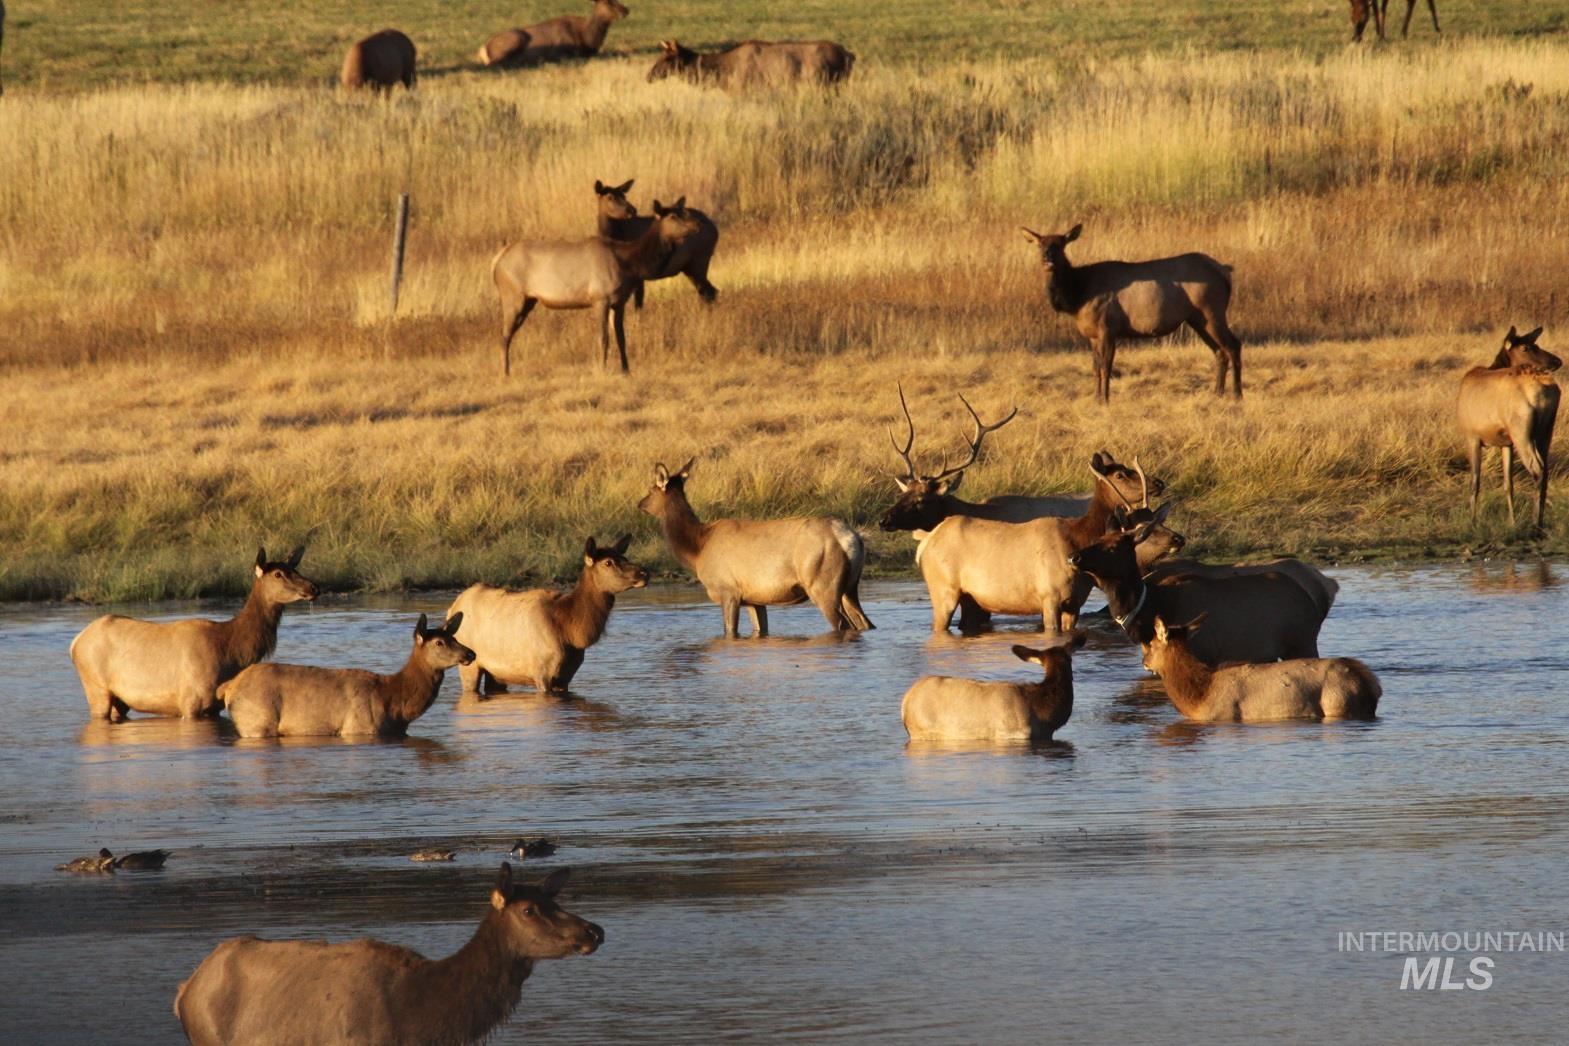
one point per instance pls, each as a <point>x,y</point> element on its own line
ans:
<point>1024,653</point>
<point>660,210</point>
<point>1160,629</point>
<point>1032,234</point>
<point>555,881</point>
<point>679,207</point>
<point>295,556</point>
<point>661,475</point>
<point>1531,338</point>
<point>948,486</point>
<point>1073,233</point>
<point>261,561</point>
<point>620,547</point>
<point>624,186</point>
<point>686,470</point>
<point>588,551</point>
<point>1119,519</point>
<point>1512,336</point>
<point>419,631</point>
<point>599,187</point>
<point>503,889</point>
<point>453,623</point>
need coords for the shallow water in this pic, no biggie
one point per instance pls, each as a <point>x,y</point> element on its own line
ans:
<point>770,858</point>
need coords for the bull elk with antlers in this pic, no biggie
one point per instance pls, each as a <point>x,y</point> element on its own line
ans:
<point>1511,404</point>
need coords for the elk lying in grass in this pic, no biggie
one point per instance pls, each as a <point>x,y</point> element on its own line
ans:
<point>1254,617</point>
<point>761,563</point>
<point>619,220</point>
<point>538,638</point>
<point>175,667</point>
<point>1305,688</point>
<point>1511,404</point>
<point>942,708</point>
<point>569,36</point>
<point>581,274</point>
<point>250,990</point>
<point>1113,300</point>
<point>1321,588</point>
<point>381,61</point>
<point>274,700</point>
<point>990,567</point>
<point>756,63</point>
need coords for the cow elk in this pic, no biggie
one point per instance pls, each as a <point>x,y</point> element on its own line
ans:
<point>175,667</point>
<point>581,274</point>
<point>1112,301</point>
<point>380,61</point>
<point>538,638</point>
<point>568,36</point>
<point>1304,688</point>
<point>756,63</point>
<point>251,990</point>
<point>1511,404</point>
<point>761,563</point>
<point>1321,588</point>
<point>619,220</point>
<point>942,708</point>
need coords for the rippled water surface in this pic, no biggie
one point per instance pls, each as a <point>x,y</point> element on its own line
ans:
<point>770,858</point>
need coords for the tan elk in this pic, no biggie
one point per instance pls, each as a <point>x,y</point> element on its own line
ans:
<point>367,991</point>
<point>568,36</point>
<point>1253,617</point>
<point>1321,588</point>
<point>537,638</point>
<point>756,63</point>
<point>274,700</point>
<point>942,708</point>
<point>1511,404</point>
<point>594,273</point>
<point>1303,688</point>
<point>380,61</point>
<point>761,563</point>
<point>619,220</point>
<point>989,567</point>
<point>175,667</point>
<point>1112,301</point>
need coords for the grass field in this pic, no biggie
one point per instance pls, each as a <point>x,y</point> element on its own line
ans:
<point>197,355</point>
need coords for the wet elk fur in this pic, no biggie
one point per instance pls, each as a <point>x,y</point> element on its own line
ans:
<point>942,708</point>
<point>1511,404</point>
<point>619,220</point>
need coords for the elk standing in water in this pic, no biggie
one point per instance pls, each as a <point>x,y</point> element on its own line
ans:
<point>1112,300</point>
<point>538,638</point>
<point>762,563</point>
<point>1319,586</point>
<point>756,63</point>
<point>568,36</point>
<point>250,990</point>
<point>942,708</point>
<point>381,61</point>
<point>175,667</point>
<point>619,220</point>
<point>1511,404</point>
<point>579,274</point>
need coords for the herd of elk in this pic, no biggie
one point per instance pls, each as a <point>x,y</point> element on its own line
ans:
<point>756,63</point>
<point>568,36</point>
<point>1511,404</point>
<point>943,708</point>
<point>1378,11</point>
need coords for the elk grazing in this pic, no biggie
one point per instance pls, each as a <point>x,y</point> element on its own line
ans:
<point>1254,617</point>
<point>568,36</point>
<point>1304,688</point>
<point>942,708</point>
<point>989,567</point>
<point>1511,404</point>
<point>580,274</point>
<point>1113,300</point>
<point>619,220</point>
<point>175,667</point>
<point>1321,588</point>
<point>274,700</point>
<point>538,637</point>
<point>251,990</point>
<point>761,563</point>
<point>380,61</point>
<point>756,63</point>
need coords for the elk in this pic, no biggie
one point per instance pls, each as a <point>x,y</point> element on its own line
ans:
<point>942,708</point>
<point>538,637</point>
<point>990,567</point>
<point>756,63</point>
<point>568,36</point>
<point>380,61</point>
<point>1321,588</point>
<point>1114,300</point>
<point>619,220</point>
<point>1255,617</point>
<point>1511,404</point>
<point>251,990</point>
<point>175,667</point>
<point>274,700</point>
<point>761,563</point>
<point>1303,688</point>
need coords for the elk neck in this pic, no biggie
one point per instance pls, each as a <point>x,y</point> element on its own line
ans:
<point>1065,288</point>
<point>580,614</point>
<point>594,31</point>
<point>460,998</point>
<point>683,530</point>
<point>1128,600</point>
<point>645,256</point>
<point>1187,678</point>
<point>411,690</point>
<point>1091,527</point>
<point>1051,703</point>
<point>624,229</point>
<point>252,633</point>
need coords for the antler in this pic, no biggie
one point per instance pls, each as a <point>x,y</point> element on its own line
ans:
<point>1144,483</point>
<point>909,442</point>
<point>981,431</point>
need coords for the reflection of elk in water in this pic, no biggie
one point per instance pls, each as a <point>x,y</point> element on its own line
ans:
<point>1511,404</point>
<point>942,708</point>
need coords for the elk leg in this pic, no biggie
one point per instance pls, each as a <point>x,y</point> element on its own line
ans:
<point>602,314</point>
<point>1221,360</point>
<point>697,272</point>
<point>618,315</point>
<point>1508,455</point>
<point>1405,30</point>
<point>759,618</point>
<point>100,702</point>
<point>943,604</point>
<point>972,616</point>
<point>1220,331</point>
<point>851,604</point>
<point>1476,476</point>
<point>1432,9</point>
<point>470,676</point>
<point>571,661</point>
<point>509,328</point>
<point>731,606</point>
<point>637,296</point>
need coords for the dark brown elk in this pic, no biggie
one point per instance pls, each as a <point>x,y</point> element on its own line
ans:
<point>1112,301</point>
<point>250,990</point>
<point>619,220</point>
<point>762,563</point>
<point>756,63</point>
<point>1314,582</point>
<point>380,61</point>
<point>1254,617</point>
<point>569,36</point>
<point>1511,404</point>
<point>1361,12</point>
<point>942,708</point>
<point>594,273</point>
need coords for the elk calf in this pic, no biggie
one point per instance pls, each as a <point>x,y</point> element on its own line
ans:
<point>1305,688</point>
<point>275,700</point>
<point>619,220</point>
<point>175,667</point>
<point>538,638</point>
<point>250,990</point>
<point>1511,404</point>
<point>942,708</point>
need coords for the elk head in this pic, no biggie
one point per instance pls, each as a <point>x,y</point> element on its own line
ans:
<point>668,487</point>
<point>1053,246</point>
<point>610,568</point>
<point>536,926</point>
<point>1159,540</point>
<point>1521,350</point>
<point>673,60</point>
<point>1056,659</point>
<point>926,500</point>
<point>1125,483</point>
<point>440,645</point>
<point>1166,640</point>
<point>280,581</point>
<point>610,10</point>
<point>613,202</point>
<point>1113,557</point>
